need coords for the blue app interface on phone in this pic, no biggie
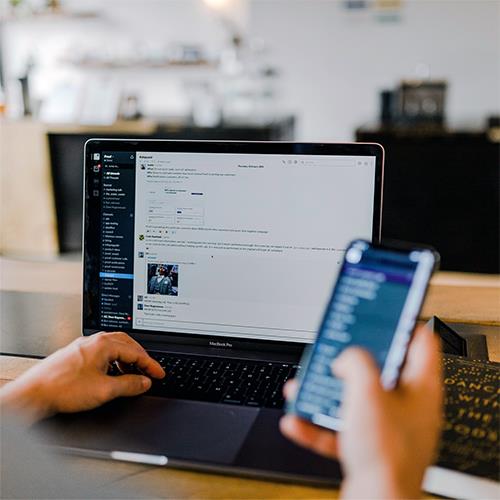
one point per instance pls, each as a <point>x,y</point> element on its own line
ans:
<point>365,310</point>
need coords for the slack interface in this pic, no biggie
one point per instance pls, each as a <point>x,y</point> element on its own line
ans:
<point>228,244</point>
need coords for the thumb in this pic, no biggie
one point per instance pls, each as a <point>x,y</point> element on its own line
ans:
<point>357,368</point>
<point>129,385</point>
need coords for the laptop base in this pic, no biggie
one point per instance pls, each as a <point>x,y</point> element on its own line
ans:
<point>190,434</point>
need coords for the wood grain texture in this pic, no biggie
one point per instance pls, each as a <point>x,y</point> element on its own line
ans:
<point>463,304</point>
<point>170,483</point>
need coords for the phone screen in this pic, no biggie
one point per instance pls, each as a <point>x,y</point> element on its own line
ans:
<point>374,304</point>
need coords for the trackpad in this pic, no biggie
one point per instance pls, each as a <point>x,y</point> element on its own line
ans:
<point>189,430</point>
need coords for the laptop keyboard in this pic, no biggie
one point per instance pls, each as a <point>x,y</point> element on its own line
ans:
<point>229,381</point>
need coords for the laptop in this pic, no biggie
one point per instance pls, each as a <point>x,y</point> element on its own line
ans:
<point>218,257</point>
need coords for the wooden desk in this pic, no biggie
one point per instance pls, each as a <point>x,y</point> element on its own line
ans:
<point>454,297</point>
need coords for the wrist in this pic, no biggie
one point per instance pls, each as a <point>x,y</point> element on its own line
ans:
<point>381,482</point>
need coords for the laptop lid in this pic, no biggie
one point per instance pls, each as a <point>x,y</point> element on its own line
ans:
<point>222,244</point>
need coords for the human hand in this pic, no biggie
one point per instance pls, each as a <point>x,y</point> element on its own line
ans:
<point>75,377</point>
<point>390,437</point>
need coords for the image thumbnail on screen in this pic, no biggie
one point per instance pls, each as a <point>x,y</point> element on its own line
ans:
<point>163,279</point>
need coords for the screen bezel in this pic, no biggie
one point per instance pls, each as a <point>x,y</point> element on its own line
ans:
<point>92,205</point>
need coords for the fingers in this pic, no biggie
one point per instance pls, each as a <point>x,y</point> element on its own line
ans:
<point>120,347</point>
<point>141,359</point>
<point>362,381</point>
<point>127,385</point>
<point>304,433</point>
<point>309,436</point>
<point>355,366</point>
<point>423,363</point>
<point>290,389</point>
<point>361,375</point>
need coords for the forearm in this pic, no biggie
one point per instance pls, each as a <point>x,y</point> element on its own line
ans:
<point>25,400</point>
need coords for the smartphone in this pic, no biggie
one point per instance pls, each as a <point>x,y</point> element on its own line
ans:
<point>375,304</point>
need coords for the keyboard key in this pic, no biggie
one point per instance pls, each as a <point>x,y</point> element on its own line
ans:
<point>235,382</point>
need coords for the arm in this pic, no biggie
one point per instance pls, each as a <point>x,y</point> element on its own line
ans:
<point>390,436</point>
<point>75,377</point>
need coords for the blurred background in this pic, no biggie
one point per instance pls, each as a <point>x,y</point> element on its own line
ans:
<point>422,77</point>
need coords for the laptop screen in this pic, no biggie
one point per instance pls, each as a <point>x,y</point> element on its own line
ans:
<point>224,244</point>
